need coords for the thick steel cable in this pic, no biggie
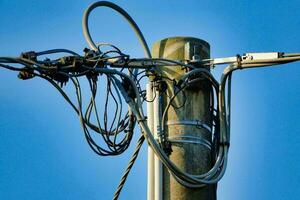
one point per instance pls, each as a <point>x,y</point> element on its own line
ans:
<point>129,167</point>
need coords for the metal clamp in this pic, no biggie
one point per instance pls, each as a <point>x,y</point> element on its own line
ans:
<point>197,123</point>
<point>191,140</point>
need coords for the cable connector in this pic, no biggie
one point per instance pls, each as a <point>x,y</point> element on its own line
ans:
<point>30,55</point>
<point>165,143</point>
<point>123,90</point>
<point>88,53</point>
<point>160,85</point>
<point>26,74</point>
<point>128,87</point>
<point>166,146</point>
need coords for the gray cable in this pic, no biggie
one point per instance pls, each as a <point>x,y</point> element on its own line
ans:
<point>115,7</point>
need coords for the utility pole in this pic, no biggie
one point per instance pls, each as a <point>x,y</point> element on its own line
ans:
<point>188,122</point>
<point>187,126</point>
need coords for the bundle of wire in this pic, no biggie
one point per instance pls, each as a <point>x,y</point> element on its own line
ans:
<point>112,137</point>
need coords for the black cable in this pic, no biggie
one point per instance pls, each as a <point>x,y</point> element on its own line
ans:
<point>52,51</point>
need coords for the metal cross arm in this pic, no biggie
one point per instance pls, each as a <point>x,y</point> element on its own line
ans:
<point>247,60</point>
<point>254,59</point>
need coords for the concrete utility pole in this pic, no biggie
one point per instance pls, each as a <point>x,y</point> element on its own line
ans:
<point>188,123</point>
<point>191,133</point>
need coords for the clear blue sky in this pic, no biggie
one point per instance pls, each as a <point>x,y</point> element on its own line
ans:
<point>43,153</point>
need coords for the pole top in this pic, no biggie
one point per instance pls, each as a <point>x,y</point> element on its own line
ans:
<point>181,48</point>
